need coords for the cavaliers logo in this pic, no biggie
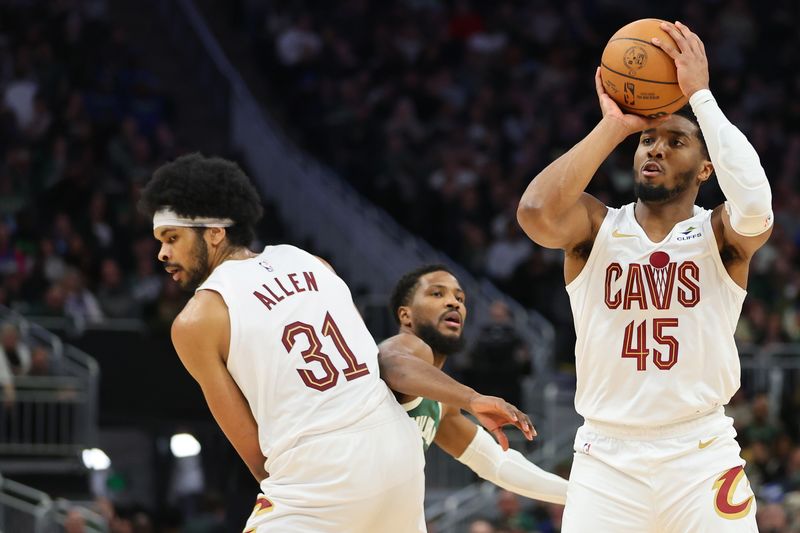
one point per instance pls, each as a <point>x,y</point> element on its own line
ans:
<point>725,486</point>
<point>635,58</point>
<point>263,506</point>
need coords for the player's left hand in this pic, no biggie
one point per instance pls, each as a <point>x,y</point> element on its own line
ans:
<point>689,56</point>
<point>493,413</point>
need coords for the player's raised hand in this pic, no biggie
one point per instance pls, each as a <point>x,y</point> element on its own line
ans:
<point>689,56</point>
<point>630,122</point>
<point>493,413</point>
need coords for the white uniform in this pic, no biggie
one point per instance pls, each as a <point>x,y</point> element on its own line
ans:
<point>342,455</point>
<point>656,361</point>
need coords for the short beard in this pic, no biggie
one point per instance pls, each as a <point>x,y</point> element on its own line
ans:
<point>199,273</point>
<point>660,194</point>
<point>439,343</point>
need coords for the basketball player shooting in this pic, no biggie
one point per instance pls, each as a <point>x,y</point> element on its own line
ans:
<point>429,305</point>
<point>285,362</point>
<point>656,289</point>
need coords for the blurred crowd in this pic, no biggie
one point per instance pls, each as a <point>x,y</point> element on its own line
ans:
<point>82,125</point>
<point>209,518</point>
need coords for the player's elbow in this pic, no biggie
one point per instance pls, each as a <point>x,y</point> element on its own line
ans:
<point>537,223</point>
<point>531,215</point>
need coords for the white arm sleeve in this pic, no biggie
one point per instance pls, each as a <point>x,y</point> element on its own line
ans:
<point>511,471</point>
<point>739,171</point>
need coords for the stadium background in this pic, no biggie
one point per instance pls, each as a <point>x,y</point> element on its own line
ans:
<point>381,134</point>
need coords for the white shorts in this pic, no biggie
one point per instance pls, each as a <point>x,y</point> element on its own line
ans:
<point>362,480</point>
<point>675,479</point>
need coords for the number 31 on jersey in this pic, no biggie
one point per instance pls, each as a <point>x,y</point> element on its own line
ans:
<point>314,353</point>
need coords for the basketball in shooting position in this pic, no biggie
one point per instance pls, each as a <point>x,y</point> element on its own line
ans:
<point>638,75</point>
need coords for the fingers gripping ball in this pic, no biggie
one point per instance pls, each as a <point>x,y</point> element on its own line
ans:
<point>639,76</point>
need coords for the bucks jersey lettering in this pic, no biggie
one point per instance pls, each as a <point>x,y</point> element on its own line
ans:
<point>427,414</point>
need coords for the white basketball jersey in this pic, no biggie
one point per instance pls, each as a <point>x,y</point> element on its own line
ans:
<point>299,350</point>
<point>654,323</point>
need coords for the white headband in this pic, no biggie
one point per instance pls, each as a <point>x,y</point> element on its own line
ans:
<point>167,217</point>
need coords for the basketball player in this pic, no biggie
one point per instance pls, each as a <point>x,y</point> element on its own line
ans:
<point>429,305</point>
<point>286,364</point>
<point>656,288</point>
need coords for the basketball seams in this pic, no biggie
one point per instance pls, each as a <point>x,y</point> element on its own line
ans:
<point>635,78</point>
<point>634,39</point>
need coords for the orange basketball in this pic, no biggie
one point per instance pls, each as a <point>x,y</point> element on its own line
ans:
<point>638,75</point>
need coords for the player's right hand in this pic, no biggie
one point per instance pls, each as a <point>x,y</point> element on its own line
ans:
<point>631,123</point>
<point>493,413</point>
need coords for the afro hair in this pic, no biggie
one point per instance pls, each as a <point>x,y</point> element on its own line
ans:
<point>197,186</point>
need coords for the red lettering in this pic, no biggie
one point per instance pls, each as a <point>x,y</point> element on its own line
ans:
<point>292,278</point>
<point>266,300</point>
<point>634,290</point>
<point>287,293</point>
<point>634,345</point>
<point>690,296</point>
<point>639,350</point>
<point>313,354</point>
<point>354,369</point>
<point>668,340</point>
<point>311,281</point>
<point>613,273</point>
<point>277,298</point>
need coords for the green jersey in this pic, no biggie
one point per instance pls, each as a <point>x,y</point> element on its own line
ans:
<point>428,414</point>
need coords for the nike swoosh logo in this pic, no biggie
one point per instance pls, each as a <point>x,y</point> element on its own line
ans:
<point>705,444</point>
<point>617,234</point>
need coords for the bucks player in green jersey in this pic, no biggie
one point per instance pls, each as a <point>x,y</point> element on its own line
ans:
<point>429,306</point>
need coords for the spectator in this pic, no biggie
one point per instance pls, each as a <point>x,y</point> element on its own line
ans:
<point>762,428</point>
<point>511,515</point>
<point>298,43</point>
<point>791,482</point>
<point>113,295</point>
<point>74,522</point>
<point>7,383</point>
<point>80,304</point>
<point>41,363</point>
<point>54,301</point>
<point>771,518</point>
<point>146,285</point>
<point>51,264</point>
<point>16,353</point>
<point>507,253</point>
<point>499,358</point>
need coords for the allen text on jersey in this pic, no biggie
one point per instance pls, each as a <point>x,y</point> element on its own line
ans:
<point>282,287</point>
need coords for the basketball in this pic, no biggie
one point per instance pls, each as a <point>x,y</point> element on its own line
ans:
<point>639,76</point>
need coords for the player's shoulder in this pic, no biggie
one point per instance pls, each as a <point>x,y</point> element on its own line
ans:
<point>409,344</point>
<point>203,312</point>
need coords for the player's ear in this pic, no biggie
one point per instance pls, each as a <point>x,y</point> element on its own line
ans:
<point>705,171</point>
<point>215,235</point>
<point>404,315</point>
